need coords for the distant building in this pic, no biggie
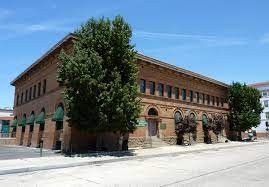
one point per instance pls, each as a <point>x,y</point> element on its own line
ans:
<point>6,115</point>
<point>263,87</point>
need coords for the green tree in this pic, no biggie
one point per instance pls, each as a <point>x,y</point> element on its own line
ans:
<point>100,77</point>
<point>245,107</point>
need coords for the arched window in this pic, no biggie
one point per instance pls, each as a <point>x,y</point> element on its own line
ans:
<point>204,120</point>
<point>152,112</point>
<point>192,116</point>
<point>178,117</point>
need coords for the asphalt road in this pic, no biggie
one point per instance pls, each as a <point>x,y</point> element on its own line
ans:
<point>19,152</point>
<point>241,166</point>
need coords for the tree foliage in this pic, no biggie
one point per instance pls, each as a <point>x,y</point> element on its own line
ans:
<point>100,77</point>
<point>245,107</point>
<point>187,125</point>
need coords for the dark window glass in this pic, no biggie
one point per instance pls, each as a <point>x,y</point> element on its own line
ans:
<point>41,127</point>
<point>191,96</point>
<point>59,125</point>
<point>208,99</point>
<point>31,128</point>
<point>203,97</point>
<point>169,91</point>
<point>21,98</point>
<point>213,100</point>
<point>23,129</point>
<point>44,86</point>
<point>197,97</point>
<point>184,94</point>
<point>26,96</point>
<point>39,89</point>
<point>18,98</point>
<point>222,102</point>
<point>152,87</point>
<point>34,94</point>
<point>217,100</point>
<point>176,91</point>
<point>30,94</point>
<point>142,86</point>
<point>160,89</point>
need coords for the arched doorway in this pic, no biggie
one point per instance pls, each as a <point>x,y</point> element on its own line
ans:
<point>153,122</point>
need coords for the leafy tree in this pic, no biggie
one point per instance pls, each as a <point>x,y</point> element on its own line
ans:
<point>100,77</point>
<point>218,122</point>
<point>245,107</point>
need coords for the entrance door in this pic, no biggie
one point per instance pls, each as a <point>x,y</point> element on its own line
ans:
<point>152,128</point>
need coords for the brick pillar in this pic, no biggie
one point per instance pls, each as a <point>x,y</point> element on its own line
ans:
<point>18,135</point>
<point>49,134</point>
<point>200,133</point>
<point>35,136</point>
<point>26,135</point>
<point>66,136</point>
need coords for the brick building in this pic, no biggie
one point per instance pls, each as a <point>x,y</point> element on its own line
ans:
<point>167,92</point>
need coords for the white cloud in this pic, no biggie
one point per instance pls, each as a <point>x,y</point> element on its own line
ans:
<point>210,40</point>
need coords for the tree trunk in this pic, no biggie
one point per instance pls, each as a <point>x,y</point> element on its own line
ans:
<point>239,135</point>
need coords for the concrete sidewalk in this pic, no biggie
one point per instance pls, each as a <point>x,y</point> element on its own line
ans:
<point>57,162</point>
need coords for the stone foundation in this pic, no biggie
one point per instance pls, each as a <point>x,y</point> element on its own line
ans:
<point>136,141</point>
<point>172,140</point>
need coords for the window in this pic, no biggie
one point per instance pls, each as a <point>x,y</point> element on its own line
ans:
<point>203,98</point>
<point>197,97</point>
<point>208,99</point>
<point>39,89</point>
<point>267,115</point>
<point>266,103</point>
<point>21,97</point>
<point>26,95</point>
<point>160,89</point>
<point>213,100</point>
<point>152,87</point>
<point>142,86</point>
<point>217,100</point>
<point>169,91</point>
<point>34,94</point>
<point>59,125</point>
<point>30,94</point>
<point>184,94</point>
<point>176,92</point>
<point>41,127</point>
<point>44,86</point>
<point>222,102</point>
<point>191,96</point>
<point>18,98</point>
<point>264,93</point>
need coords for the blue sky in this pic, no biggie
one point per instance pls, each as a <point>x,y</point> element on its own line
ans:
<point>224,39</point>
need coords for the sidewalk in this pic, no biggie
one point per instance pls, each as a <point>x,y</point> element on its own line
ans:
<point>57,162</point>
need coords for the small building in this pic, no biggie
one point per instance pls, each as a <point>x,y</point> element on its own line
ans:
<point>6,117</point>
<point>263,87</point>
<point>167,93</point>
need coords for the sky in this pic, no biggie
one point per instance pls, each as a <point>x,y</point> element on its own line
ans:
<point>226,40</point>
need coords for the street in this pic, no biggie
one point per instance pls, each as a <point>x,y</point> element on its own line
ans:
<point>240,166</point>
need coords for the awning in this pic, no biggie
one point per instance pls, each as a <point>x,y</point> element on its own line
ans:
<point>178,117</point>
<point>22,122</point>
<point>14,123</point>
<point>58,115</point>
<point>31,119</point>
<point>41,118</point>
<point>204,120</point>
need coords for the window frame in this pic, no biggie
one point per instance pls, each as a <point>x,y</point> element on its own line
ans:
<point>152,87</point>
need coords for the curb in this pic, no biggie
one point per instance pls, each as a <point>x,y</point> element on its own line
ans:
<point>62,166</point>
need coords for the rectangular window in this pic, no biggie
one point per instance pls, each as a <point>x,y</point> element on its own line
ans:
<point>142,86</point>
<point>160,89</point>
<point>266,103</point>
<point>176,92</point>
<point>152,87</point>
<point>208,99</point>
<point>217,100</point>
<point>264,93</point>
<point>197,97</point>
<point>30,94</point>
<point>169,91</point>
<point>26,96</point>
<point>267,115</point>
<point>191,96</point>
<point>213,100</point>
<point>18,98</point>
<point>222,102</point>
<point>203,98</point>
<point>34,94</point>
<point>39,89</point>
<point>184,94</point>
<point>21,97</point>
<point>44,86</point>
